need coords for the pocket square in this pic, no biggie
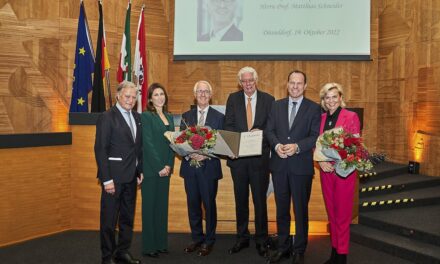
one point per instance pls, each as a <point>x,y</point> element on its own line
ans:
<point>113,158</point>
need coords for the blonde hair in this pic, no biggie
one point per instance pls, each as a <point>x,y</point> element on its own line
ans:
<point>204,82</point>
<point>330,86</point>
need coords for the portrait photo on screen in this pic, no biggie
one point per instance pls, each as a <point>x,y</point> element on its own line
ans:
<point>219,20</point>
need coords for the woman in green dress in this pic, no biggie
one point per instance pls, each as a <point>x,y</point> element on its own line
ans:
<point>158,161</point>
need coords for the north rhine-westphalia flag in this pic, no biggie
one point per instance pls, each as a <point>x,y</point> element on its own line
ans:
<point>140,64</point>
<point>124,67</point>
<point>83,68</point>
<point>102,66</point>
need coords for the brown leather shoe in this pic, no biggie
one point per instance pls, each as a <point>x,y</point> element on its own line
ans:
<point>204,250</point>
<point>192,247</point>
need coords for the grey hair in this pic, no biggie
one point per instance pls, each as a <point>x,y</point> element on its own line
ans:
<point>247,69</point>
<point>202,81</point>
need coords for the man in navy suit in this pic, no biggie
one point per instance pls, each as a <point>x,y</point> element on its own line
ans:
<point>201,183</point>
<point>118,153</point>
<point>247,110</point>
<point>292,130</point>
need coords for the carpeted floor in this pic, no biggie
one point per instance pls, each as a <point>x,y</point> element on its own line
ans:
<point>82,247</point>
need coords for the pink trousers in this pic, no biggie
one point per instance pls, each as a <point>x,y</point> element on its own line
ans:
<point>338,195</point>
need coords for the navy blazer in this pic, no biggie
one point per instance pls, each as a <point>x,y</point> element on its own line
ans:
<point>211,167</point>
<point>304,132</point>
<point>115,150</point>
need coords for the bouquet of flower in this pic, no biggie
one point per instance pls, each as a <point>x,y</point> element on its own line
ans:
<point>194,139</point>
<point>346,149</point>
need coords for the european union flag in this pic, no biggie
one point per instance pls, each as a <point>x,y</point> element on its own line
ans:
<point>84,65</point>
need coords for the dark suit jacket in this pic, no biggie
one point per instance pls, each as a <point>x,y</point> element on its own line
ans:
<point>115,150</point>
<point>235,118</point>
<point>304,132</point>
<point>211,168</point>
<point>233,34</point>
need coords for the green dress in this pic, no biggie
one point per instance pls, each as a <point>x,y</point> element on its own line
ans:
<point>155,189</point>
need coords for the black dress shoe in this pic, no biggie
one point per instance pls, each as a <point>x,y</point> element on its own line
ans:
<point>108,261</point>
<point>163,251</point>
<point>238,246</point>
<point>152,254</point>
<point>204,250</point>
<point>262,250</point>
<point>278,256</point>
<point>192,247</point>
<point>332,259</point>
<point>126,258</point>
<point>297,258</point>
<point>341,258</point>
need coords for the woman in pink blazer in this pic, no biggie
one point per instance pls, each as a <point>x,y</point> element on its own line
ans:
<point>338,192</point>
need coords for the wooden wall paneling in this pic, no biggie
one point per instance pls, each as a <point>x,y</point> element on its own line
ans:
<point>28,69</point>
<point>408,44</point>
<point>35,192</point>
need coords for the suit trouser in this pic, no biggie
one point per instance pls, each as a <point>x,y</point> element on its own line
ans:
<point>155,192</point>
<point>338,195</point>
<point>201,189</point>
<point>297,188</point>
<point>258,178</point>
<point>117,208</point>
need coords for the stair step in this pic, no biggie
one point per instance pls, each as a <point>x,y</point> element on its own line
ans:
<point>397,183</point>
<point>383,170</point>
<point>408,198</point>
<point>419,223</point>
<point>404,247</point>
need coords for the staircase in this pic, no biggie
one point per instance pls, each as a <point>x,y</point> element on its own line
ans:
<point>399,213</point>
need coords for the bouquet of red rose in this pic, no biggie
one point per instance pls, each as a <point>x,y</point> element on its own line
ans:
<point>194,139</point>
<point>346,149</point>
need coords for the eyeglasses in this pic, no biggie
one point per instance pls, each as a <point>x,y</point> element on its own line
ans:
<point>248,81</point>
<point>203,92</point>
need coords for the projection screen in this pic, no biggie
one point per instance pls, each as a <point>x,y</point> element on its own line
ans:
<point>272,30</point>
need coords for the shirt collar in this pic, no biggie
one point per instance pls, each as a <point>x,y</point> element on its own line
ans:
<point>297,100</point>
<point>205,109</point>
<point>253,96</point>
<point>122,110</point>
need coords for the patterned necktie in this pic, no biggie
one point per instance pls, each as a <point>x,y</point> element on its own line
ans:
<point>292,115</point>
<point>131,125</point>
<point>202,118</point>
<point>249,113</point>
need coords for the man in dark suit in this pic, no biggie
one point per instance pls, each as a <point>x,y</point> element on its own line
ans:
<point>247,110</point>
<point>223,22</point>
<point>201,183</point>
<point>292,130</point>
<point>118,153</point>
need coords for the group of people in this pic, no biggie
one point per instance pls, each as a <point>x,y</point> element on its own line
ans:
<point>290,127</point>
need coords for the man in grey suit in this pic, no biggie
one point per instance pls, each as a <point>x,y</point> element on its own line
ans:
<point>292,130</point>
<point>118,153</point>
<point>247,110</point>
